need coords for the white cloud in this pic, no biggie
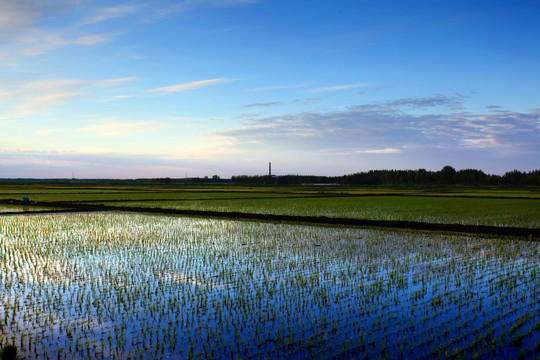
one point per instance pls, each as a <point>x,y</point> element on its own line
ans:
<point>111,82</point>
<point>277,87</point>
<point>388,128</point>
<point>337,87</point>
<point>30,97</point>
<point>500,131</point>
<point>380,151</point>
<point>187,5</point>
<point>189,86</point>
<point>110,13</point>
<point>113,127</point>
<point>48,86</point>
<point>18,21</point>
<point>45,41</point>
<point>116,97</point>
<point>480,143</point>
<point>39,102</point>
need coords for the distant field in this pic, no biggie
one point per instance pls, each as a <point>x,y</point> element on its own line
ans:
<point>58,192</point>
<point>472,206</point>
<point>144,196</point>
<point>493,212</point>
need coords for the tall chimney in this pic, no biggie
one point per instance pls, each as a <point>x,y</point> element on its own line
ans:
<point>270,169</point>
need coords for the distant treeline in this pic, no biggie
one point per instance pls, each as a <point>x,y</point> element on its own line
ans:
<point>215,179</point>
<point>446,176</point>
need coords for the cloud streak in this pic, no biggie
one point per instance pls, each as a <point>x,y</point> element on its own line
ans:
<point>450,102</point>
<point>45,41</point>
<point>337,88</point>
<point>113,127</point>
<point>188,5</point>
<point>110,13</point>
<point>189,86</point>
<point>380,151</point>
<point>30,97</point>
<point>277,87</point>
<point>272,103</point>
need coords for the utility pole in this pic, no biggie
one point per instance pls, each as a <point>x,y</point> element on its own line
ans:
<point>270,169</point>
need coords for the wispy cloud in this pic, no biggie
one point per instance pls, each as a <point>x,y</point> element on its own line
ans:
<point>112,82</point>
<point>41,101</point>
<point>118,97</point>
<point>189,86</point>
<point>499,131</point>
<point>380,151</point>
<point>18,27</point>
<point>110,13</point>
<point>278,87</point>
<point>37,86</point>
<point>451,102</point>
<point>306,101</point>
<point>27,161</point>
<point>30,97</point>
<point>315,131</point>
<point>272,103</point>
<point>388,128</point>
<point>15,15</point>
<point>114,127</point>
<point>337,87</point>
<point>188,5</point>
<point>41,42</point>
<point>98,164</point>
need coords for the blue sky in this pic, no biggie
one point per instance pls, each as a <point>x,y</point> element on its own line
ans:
<point>163,88</point>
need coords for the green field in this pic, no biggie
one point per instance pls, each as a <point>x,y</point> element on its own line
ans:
<point>481,211</point>
<point>504,207</point>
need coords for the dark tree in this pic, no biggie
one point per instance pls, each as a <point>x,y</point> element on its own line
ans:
<point>446,175</point>
<point>470,177</point>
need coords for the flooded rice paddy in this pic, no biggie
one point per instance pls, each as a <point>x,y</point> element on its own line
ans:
<point>115,285</point>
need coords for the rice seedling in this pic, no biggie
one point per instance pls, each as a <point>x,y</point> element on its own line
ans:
<point>115,285</point>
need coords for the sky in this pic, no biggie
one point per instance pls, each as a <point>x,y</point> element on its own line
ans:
<point>187,88</point>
